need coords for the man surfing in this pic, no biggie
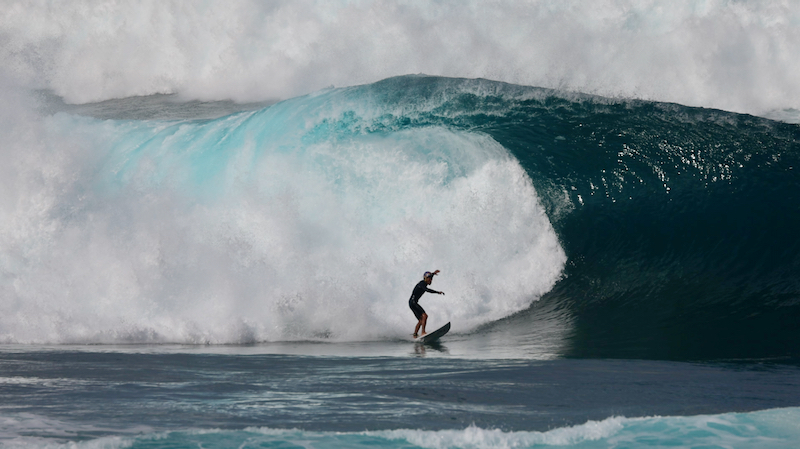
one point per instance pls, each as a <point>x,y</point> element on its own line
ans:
<point>413,302</point>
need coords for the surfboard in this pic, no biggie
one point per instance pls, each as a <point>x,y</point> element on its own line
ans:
<point>434,336</point>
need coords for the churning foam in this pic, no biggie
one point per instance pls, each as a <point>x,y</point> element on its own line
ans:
<point>280,224</point>
<point>734,55</point>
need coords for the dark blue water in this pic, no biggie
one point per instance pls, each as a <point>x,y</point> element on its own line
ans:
<point>144,393</point>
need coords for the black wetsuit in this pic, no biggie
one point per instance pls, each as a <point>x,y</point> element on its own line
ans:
<point>413,301</point>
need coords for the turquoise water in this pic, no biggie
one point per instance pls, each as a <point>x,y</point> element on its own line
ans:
<point>766,429</point>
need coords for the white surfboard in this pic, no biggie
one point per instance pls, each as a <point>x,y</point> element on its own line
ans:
<point>434,336</point>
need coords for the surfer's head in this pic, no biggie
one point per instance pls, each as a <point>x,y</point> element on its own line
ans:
<point>428,277</point>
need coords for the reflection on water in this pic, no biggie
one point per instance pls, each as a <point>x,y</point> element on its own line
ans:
<point>421,349</point>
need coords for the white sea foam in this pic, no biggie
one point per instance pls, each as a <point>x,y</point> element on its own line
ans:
<point>734,55</point>
<point>269,225</point>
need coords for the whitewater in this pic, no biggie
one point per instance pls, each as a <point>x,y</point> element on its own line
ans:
<point>269,225</point>
<point>732,55</point>
<point>212,216</point>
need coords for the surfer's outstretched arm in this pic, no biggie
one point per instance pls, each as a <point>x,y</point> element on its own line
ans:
<point>428,278</point>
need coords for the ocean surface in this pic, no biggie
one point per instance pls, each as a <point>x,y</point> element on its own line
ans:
<point>202,245</point>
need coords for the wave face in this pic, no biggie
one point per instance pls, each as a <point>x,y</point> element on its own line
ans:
<point>653,230</point>
<point>680,225</point>
<point>732,55</point>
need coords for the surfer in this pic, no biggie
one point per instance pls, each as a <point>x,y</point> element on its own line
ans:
<point>413,302</point>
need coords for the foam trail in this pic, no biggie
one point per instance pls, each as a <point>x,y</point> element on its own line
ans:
<point>774,428</point>
<point>768,428</point>
<point>280,224</point>
<point>739,56</point>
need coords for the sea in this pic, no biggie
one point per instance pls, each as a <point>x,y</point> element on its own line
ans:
<point>205,255</point>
